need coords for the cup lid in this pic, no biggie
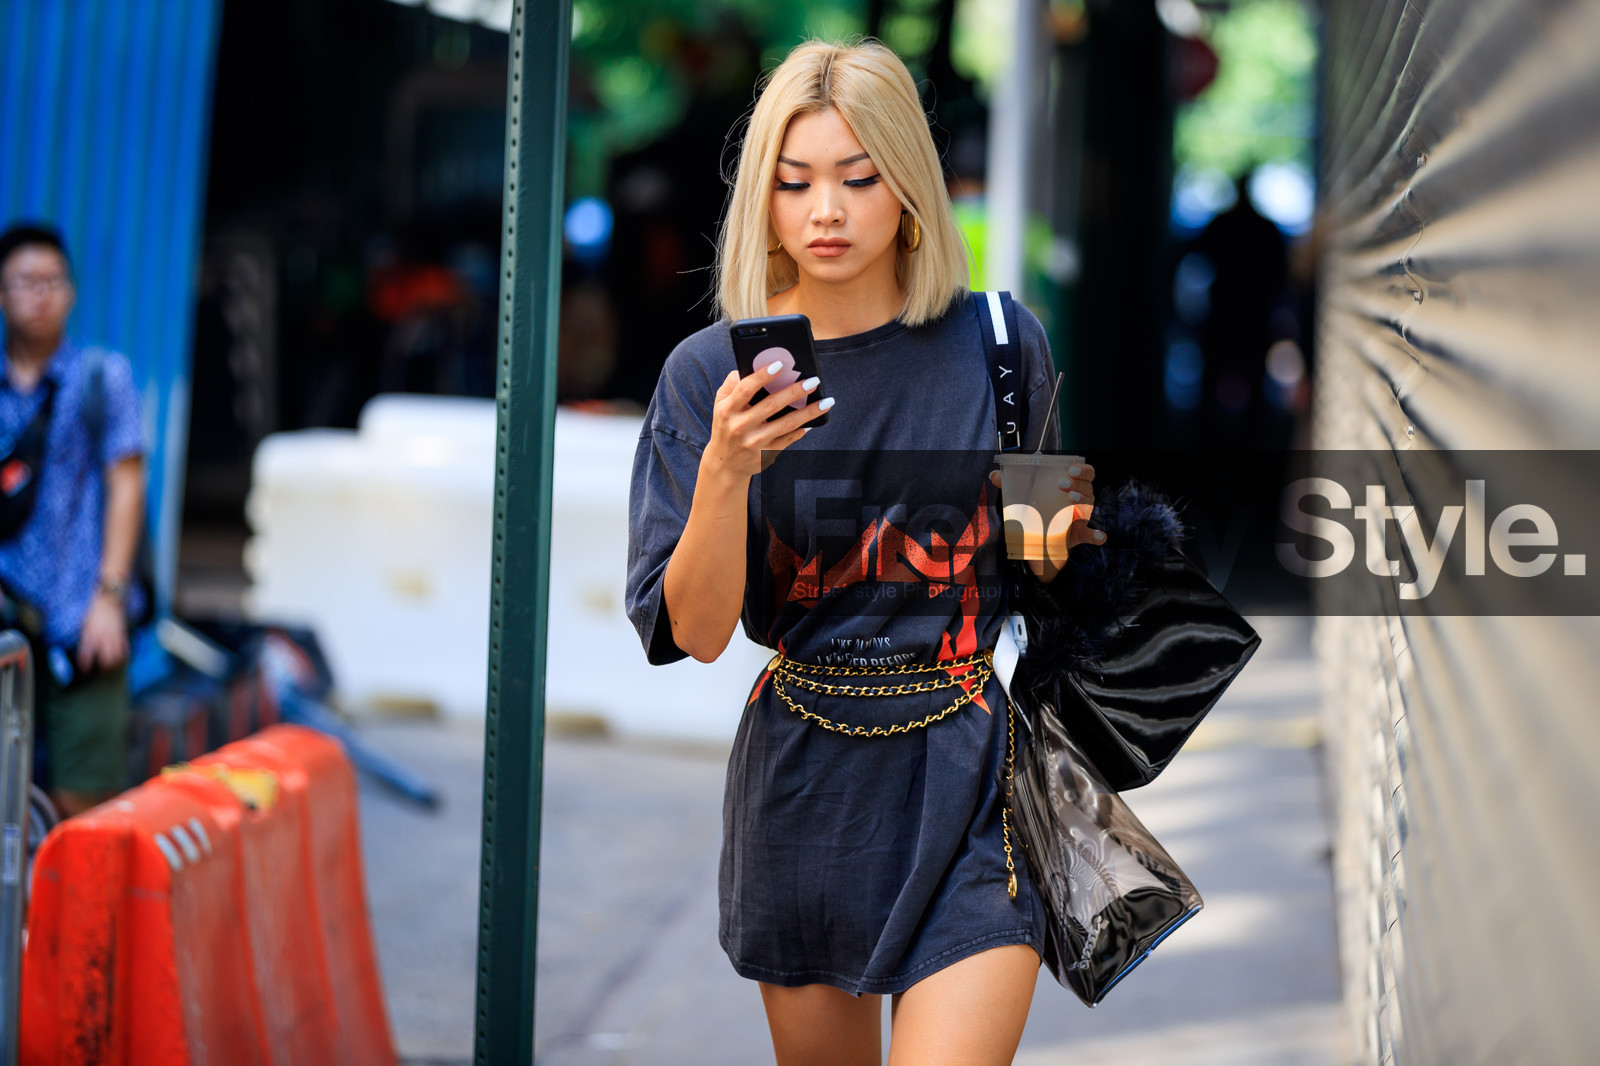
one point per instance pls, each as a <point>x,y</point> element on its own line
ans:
<point>1035,459</point>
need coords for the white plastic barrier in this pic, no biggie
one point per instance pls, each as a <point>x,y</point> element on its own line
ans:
<point>379,539</point>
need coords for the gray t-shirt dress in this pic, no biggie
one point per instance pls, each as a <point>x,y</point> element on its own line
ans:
<point>865,863</point>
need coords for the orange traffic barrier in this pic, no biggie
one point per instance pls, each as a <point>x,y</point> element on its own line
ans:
<point>215,915</point>
<point>321,888</point>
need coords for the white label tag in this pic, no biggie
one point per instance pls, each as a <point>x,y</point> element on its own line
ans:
<point>1019,632</point>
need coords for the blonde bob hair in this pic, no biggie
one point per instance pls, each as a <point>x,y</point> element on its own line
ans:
<point>872,91</point>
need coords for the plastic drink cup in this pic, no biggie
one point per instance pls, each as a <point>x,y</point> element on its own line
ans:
<point>1034,507</point>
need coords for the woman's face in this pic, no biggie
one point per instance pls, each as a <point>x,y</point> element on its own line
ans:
<point>830,207</point>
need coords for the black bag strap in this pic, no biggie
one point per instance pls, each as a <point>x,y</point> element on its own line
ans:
<point>21,460</point>
<point>93,410</point>
<point>37,427</point>
<point>997,321</point>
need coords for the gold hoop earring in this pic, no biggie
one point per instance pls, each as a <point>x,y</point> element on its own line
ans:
<point>774,249</point>
<point>916,234</point>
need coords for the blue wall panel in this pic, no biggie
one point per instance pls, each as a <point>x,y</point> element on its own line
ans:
<point>105,107</point>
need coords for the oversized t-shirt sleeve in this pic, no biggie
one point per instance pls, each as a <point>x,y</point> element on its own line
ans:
<point>665,466</point>
<point>1039,379</point>
<point>124,431</point>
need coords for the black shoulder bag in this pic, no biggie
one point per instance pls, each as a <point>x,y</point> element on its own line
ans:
<point>1120,658</point>
<point>19,469</point>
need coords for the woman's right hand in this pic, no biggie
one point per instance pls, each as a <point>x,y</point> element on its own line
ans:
<point>740,431</point>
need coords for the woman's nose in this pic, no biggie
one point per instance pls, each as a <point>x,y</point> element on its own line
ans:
<point>825,209</point>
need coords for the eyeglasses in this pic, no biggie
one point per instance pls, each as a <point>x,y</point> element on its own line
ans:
<point>35,284</point>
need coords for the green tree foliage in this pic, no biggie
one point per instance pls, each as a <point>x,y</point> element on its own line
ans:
<point>628,56</point>
<point>1260,108</point>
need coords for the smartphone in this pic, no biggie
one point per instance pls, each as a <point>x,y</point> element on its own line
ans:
<point>757,342</point>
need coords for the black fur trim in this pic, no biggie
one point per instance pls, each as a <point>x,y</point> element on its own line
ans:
<point>1074,617</point>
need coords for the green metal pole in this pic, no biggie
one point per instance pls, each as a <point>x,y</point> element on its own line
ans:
<point>513,757</point>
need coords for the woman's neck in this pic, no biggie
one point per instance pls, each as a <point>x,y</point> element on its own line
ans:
<point>841,310</point>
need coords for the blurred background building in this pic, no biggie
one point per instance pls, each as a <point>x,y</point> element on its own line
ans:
<point>281,209</point>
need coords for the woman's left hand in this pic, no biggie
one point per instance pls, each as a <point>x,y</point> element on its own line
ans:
<point>1077,488</point>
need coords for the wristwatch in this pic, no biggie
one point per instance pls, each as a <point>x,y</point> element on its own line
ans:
<point>115,589</point>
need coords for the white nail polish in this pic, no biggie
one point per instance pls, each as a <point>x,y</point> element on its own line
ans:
<point>777,365</point>
<point>1074,496</point>
<point>810,383</point>
<point>1074,470</point>
<point>825,404</point>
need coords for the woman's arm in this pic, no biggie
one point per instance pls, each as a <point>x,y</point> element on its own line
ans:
<point>703,586</point>
<point>704,582</point>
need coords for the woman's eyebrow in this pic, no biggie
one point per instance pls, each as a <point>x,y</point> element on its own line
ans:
<point>840,163</point>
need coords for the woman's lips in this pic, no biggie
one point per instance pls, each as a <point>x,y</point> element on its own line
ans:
<point>829,248</point>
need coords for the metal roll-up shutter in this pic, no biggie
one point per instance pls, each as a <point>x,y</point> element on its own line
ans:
<point>1460,309</point>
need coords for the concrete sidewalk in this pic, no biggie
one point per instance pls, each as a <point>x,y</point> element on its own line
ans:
<point>629,967</point>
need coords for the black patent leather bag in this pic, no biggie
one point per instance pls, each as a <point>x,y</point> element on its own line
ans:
<point>1111,893</point>
<point>1131,645</point>
<point>1121,657</point>
<point>20,461</point>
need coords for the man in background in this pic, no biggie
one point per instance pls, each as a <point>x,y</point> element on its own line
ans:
<point>70,562</point>
<point>1251,260</point>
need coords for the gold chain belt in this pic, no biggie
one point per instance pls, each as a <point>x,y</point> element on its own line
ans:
<point>809,676</point>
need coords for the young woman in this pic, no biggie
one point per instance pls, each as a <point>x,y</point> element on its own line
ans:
<point>866,849</point>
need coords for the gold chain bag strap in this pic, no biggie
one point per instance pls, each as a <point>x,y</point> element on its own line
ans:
<point>833,681</point>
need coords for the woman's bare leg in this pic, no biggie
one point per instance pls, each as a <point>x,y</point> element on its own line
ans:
<point>819,1025</point>
<point>970,1013</point>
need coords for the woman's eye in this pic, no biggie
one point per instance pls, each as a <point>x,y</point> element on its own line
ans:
<point>791,186</point>
<point>862,183</point>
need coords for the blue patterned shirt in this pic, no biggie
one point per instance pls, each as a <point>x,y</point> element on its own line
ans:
<point>54,561</point>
